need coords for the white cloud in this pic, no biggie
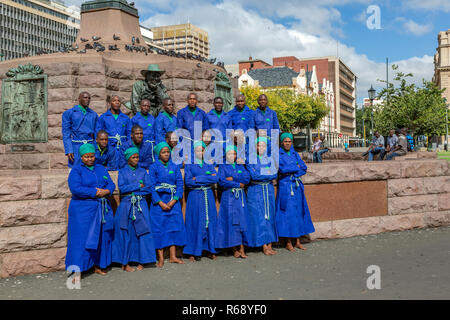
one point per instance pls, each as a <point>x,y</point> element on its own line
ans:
<point>417,29</point>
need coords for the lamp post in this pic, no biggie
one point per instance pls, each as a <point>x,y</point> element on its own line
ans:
<point>371,97</point>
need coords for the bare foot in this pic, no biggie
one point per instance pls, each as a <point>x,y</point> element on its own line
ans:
<point>300,246</point>
<point>140,267</point>
<point>213,257</point>
<point>289,246</point>
<point>272,252</point>
<point>266,250</point>
<point>127,268</point>
<point>191,259</point>
<point>236,253</point>
<point>243,255</point>
<point>99,271</point>
<point>76,279</point>
<point>176,260</point>
<point>160,263</point>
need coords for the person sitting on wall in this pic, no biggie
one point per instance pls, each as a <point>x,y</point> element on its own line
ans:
<point>315,148</point>
<point>401,148</point>
<point>392,140</point>
<point>323,148</point>
<point>103,155</point>
<point>377,146</point>
<point>78,127</point>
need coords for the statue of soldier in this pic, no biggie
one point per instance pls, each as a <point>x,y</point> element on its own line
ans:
<point>151,88</point>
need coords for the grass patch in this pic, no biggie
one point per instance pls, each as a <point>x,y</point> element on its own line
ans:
<point>444,155</point>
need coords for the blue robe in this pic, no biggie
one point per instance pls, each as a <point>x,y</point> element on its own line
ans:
<point>145,154</point>
<point>200,225</point>
<point>107,158</point>
<point>292,218</point>
<point>163,124</point>
<point>242,119</point>
<point>148,126</point>
<point>221,124</point>
<point>185,120</point>
<point>233,211</point>
<point>268,121</point>
<point>77,129</point>
<point>261,205</point>
<point>117,129</point>
<point>91,221</point>
<point>133,239</point>
<point>167,226</point>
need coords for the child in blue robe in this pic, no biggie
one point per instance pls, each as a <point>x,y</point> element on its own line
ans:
<point>166,121</point>
<point>201,212</point>
<point>103,154</point>
<point>261,201</point>
<point>166,217</point>
<point>232,221</point>
<point>292,218</point>
<point>90,225</point>
<point>133,240</point>
<point>146,156</point>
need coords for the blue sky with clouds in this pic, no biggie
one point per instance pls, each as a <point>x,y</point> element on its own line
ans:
<point>305,28</point>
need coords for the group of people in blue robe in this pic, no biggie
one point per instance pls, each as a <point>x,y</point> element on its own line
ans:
<point>149,217</point>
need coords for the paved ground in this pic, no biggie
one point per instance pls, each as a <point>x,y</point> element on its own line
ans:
<point>414,265</point>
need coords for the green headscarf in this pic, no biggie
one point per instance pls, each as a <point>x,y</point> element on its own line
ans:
<point>230,148</point>
<point>86,148</point>
<point>286,135</point>
<point>161,146</point>
<point>130,151</point>
<point>261,139</point>
<point>199,143</point>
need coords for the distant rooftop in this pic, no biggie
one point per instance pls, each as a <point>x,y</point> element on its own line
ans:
<point>273,77</point>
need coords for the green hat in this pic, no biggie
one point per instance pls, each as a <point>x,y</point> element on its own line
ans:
<point>231,148</point>
<point>152,68</point>
<point>86,148</point>
<point>286,135</point>
<point>161,146</point>
<point>199,143</point>
<point>261,139</point>
<point>130,151</point>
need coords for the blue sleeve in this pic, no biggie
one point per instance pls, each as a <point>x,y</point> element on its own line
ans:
<point>110,186</point>
<point>180,120</point>
<point>67,132</point>
<point>99,125</point>
<point>303,167</point>
<point>111,160</point>
<point>251,121</point>
<point>132,123</point>
<point>245,176</point>
<point>120,158</point>
<point>207,179</point>
<point>159,130</point>
<point>151,181</point>
<point>199,181</point>
<point>76,187</point>
<point>276,124</point>
<point>125,186</point>
<point>223,182</point>
<point>287,168</point>
<point>179,183</point>
<point>205,122</point>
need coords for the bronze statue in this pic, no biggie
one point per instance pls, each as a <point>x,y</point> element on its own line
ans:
<point>151,88</point>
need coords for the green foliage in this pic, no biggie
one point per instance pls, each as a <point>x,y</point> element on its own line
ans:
<point>293,111</point>
<point>420,109</point>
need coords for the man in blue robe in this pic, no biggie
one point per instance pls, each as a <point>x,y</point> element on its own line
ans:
<point>145,120</point>
<point>219,122</point>
<point>190,114</point>
<point>103,154</point>
<point>78,127</point>
<point>166,121</point>
<point>116,123</point>
<point>265,121</point>
<point>146,157</point>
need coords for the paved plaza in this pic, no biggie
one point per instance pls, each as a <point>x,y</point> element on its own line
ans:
<point>414,265</point>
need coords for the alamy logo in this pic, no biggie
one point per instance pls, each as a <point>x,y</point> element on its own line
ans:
<point>374,281</point>
<point>374,20</point>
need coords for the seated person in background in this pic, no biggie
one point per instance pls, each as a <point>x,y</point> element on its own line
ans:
<point>316,148</point>
<point>392,140</point>
<point>402,146</point>
<point>377,146</point>
<point>104,155</point>
<point>410,140</point>
<point>145,149</point>
<point>324,147</point>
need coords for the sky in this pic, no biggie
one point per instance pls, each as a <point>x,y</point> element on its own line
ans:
<point>363,33</point>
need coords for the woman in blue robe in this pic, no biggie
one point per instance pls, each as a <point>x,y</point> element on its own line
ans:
<point>166,217</point>
<point>292,218</point>
<point>232,221</point>
<point>133,240</point>
<point>201,211</point>
<point>261,201</point>
<point>90,225</point>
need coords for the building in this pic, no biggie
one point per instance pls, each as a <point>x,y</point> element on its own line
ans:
<point>28,27</point>
<point>332,78</point>
<point>442,66</point>
<point>183,38</point>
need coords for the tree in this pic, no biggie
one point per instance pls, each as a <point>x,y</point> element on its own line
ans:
<point>294,111</point>
<point>420,109</point>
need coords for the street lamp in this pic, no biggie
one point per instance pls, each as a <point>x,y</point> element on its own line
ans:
<point>371,97</point>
